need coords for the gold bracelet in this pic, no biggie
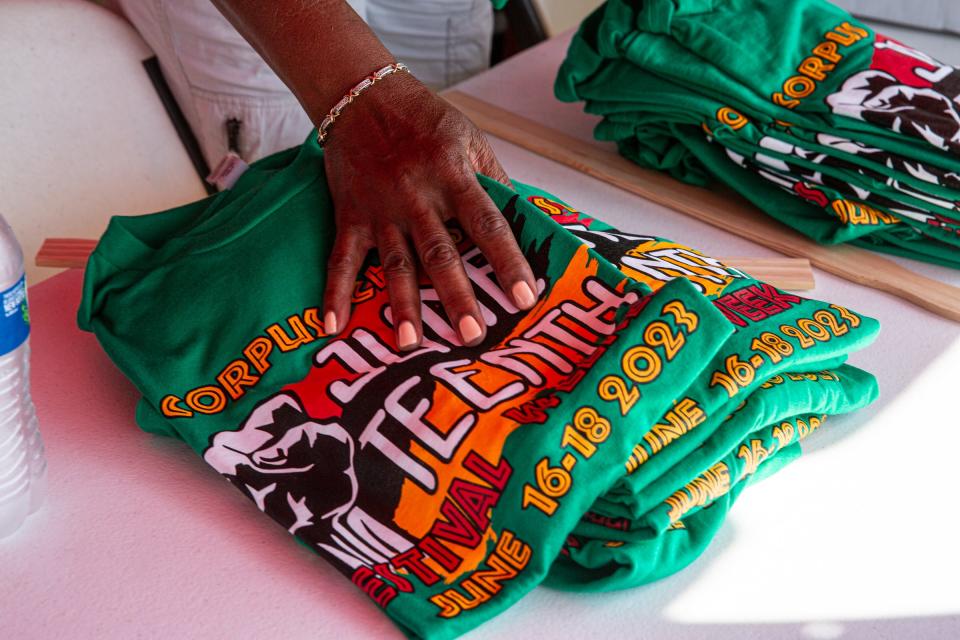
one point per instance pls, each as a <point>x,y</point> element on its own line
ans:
<point>363,85</point>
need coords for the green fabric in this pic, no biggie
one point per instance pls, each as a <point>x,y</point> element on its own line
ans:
<point>633,114</point>
<point>700,89</point>
<point>741,52</point>
<point>449,482</point>
<point>830,392</point>
<point>780,156</point>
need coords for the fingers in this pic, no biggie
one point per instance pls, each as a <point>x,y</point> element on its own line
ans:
<point>349,250</point>
<point>441,261</point>
<point>485,161</point>
<point>491,232</point>
<point>402,287</point>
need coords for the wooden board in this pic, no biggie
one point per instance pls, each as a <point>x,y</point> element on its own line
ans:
<point>719,208</point>
<point>793,274</point>
<point>69,253</point>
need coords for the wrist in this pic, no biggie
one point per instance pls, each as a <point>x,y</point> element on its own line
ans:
<point>374,108</point>
<point>326,90</point>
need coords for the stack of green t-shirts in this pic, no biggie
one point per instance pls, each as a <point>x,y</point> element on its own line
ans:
<point>772,383</point>
<point>594,441</point>
<point>842,133</point>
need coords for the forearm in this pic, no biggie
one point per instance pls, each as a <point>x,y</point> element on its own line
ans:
<point>399,163</point>
<point>319,48</point>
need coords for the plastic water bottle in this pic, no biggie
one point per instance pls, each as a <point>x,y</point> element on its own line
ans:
<point>23,467</point>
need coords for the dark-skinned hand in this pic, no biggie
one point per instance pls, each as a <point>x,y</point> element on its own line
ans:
<point>400,162</point>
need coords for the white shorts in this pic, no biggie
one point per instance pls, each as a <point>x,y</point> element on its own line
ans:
<point>215,75</point>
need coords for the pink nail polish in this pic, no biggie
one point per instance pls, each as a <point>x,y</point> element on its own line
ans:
<point>330,322</point>
<point>523,295</point>
<point>470,330</point>
<point>406,335</point>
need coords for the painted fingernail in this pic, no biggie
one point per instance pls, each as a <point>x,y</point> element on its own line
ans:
<point>406,335</point>
<point>523,295</point>
<point>330,322</point>
<point>470,330</point>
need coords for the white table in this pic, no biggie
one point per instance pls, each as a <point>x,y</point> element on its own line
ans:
<point>83,133</point>
<point>856,540</point>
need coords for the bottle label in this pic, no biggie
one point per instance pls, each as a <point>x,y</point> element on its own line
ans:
<point>15,319</point>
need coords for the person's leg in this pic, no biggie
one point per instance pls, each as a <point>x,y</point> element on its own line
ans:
<point>442,41</point>
<point>216,76</point>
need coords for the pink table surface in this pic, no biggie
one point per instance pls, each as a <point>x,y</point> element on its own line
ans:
<point>138,537</point>
<point>857,540</point>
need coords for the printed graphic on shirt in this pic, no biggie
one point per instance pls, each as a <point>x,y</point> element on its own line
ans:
<point>389,463</point>
<point>899,164</point>
<point>647,259</point>
<point>655,261</point>
<point>851,204</point>
<point>847,202</point>
<point>906,91</point>
<point>819,65</point>
<point>804,172</point>
<point>812,186</point>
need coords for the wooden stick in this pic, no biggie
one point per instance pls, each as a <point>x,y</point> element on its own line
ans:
<point>783,273</point>
<point>71,253</point>
<point>722,209</point>
<point>793,274</point>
